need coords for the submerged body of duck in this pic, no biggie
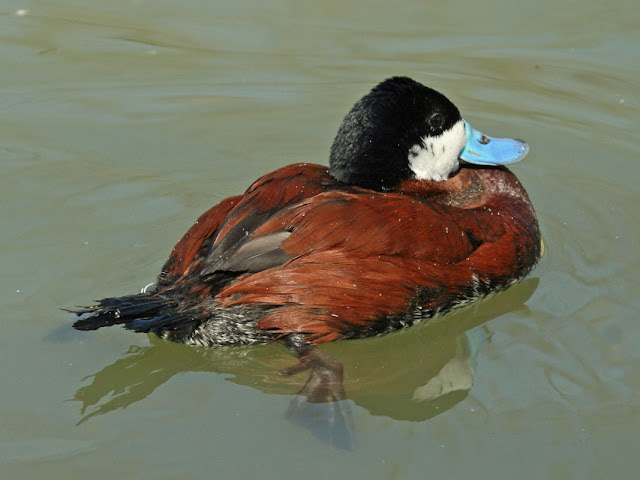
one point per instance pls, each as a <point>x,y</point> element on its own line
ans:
<point>397,229</point>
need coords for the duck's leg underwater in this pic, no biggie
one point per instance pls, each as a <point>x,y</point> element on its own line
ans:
<point>321,405</point>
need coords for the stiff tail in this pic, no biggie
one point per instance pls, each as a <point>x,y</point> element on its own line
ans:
<point>143,312</point>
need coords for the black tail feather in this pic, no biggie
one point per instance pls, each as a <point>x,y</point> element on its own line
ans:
<point>174,315</point>
<point>132,311</point>
<point>166,321</point>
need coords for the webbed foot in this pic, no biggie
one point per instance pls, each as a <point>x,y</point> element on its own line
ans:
<point>321,405</point>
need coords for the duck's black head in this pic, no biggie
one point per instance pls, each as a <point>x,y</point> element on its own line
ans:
<point>402,130</point>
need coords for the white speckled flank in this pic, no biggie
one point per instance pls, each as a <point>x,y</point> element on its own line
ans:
<point>435,158</point>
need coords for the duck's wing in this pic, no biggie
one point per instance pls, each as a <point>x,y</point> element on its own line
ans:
<point>363,224</point>
<point>188,246</point>
<point>224,228</point>
<point>266,198</point>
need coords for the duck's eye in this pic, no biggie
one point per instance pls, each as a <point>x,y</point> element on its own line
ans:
<point>436,120</point>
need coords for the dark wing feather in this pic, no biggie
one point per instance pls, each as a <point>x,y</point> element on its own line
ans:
<point>258,254</point>
<point>265,199</point>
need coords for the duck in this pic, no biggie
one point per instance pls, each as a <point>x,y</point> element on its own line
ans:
<point>416,215</point>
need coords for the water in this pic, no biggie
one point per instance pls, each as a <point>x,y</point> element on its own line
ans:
<point>123,121</point>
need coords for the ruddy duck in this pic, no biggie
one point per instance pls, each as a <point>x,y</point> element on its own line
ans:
<point>414,216</point>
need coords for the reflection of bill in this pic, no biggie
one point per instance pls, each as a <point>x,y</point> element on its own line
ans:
<point>412,375</point>
<point>457,373</point>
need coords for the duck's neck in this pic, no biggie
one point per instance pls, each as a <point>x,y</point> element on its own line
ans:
<point>462,190</point>
<point>470,187</point>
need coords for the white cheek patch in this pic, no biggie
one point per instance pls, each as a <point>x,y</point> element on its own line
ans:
<point>435,158</point>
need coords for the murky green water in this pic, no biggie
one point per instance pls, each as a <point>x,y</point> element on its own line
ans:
<point>122,121</point>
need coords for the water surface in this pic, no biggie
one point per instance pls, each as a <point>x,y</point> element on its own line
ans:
<point>123,121</point>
